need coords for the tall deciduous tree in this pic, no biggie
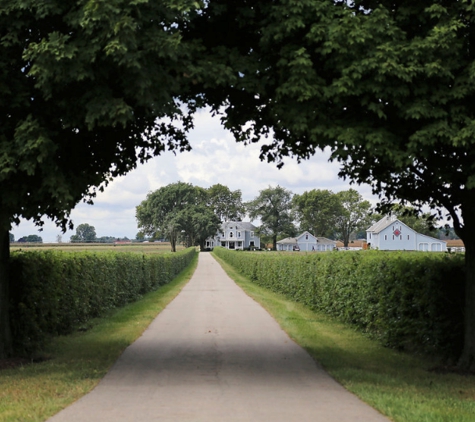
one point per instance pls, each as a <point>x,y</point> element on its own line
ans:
<point>273,207</point>
<point>197,223</point>
<point>83,86</point>
<point>225,203</point>
<point>317,211</point>
<point>388,86</point>
<point>178,210</point>
<point>84,233</point>
<point>354,213</point>
<point>159,212</point>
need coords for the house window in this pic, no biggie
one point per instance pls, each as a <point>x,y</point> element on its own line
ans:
<point>252,234</point>
<point>407,237</point>
<point>239,244</point>
<point>223,244</point>
<point>400,237</point>
<point>393,237</point>
<point>385,237</point>
<point>224,235</point>
<point>370,235</point>
<point>230,234</point>
<point>238,234</point>
<point>306,237</point>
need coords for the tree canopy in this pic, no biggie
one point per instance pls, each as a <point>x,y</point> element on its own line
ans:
<point>317,211</point>
<point>84,233</point>
<point>178,210</point>
<point>82,88</point>
<point>226,204</point>
<point>273,206</point>
<point>32,238</point>
<point>354,214</point>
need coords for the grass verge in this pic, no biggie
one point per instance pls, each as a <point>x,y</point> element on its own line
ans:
<point>76,363</point>
<point>400,386</point>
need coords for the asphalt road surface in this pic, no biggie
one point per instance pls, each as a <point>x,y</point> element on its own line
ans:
<point>214,354</point>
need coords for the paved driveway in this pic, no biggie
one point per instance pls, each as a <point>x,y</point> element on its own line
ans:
<point>214,354</point>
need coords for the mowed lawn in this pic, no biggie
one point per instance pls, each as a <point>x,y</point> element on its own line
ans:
<point>147,248</point>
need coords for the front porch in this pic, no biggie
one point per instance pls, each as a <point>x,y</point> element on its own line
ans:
<point>232,244</point>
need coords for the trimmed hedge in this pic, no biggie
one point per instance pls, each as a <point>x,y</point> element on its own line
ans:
<point>54,292</point>
<point>408,300</point>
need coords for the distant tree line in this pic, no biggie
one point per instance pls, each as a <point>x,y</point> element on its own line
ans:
<point>32,238</point>
<point>85,233</point>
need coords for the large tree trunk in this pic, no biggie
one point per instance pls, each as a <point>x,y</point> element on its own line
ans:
<point>467,360</point>
<point>5,329</point>
<point>173,238</point>
<point>346,240</point>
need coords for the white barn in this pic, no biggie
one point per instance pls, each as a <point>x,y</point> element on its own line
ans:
<point>306,242</point>
<point>235,235</point>
<point>391,234</point>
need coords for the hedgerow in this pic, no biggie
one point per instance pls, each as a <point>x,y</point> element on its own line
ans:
<point>408,300</point>
<point>54,292</point>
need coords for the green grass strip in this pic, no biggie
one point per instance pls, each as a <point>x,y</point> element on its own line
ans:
<point>397,384</point>
<point>37,391</point>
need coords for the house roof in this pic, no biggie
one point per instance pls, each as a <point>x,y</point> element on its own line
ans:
<point>294,240</point>
<point>383,223</point>
<point>240,225</point>
<point>288,241</point>
<point>325,240</point>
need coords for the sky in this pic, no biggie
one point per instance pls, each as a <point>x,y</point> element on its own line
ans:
<point>215,158</point>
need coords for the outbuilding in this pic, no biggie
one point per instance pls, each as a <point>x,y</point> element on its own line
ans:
<point>306,242</point>
<point>391,234</point>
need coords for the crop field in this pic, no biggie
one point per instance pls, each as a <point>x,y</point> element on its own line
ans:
<point>147,248</point>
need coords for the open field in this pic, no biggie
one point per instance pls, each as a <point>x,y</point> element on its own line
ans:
<point>148,248</point>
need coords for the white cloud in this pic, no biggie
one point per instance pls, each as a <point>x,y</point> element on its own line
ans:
<point>215,158</point>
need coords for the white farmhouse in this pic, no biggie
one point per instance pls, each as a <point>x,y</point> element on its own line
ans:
<point>391,234</point>
<point>235,235</point>
<point>306,242</point>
